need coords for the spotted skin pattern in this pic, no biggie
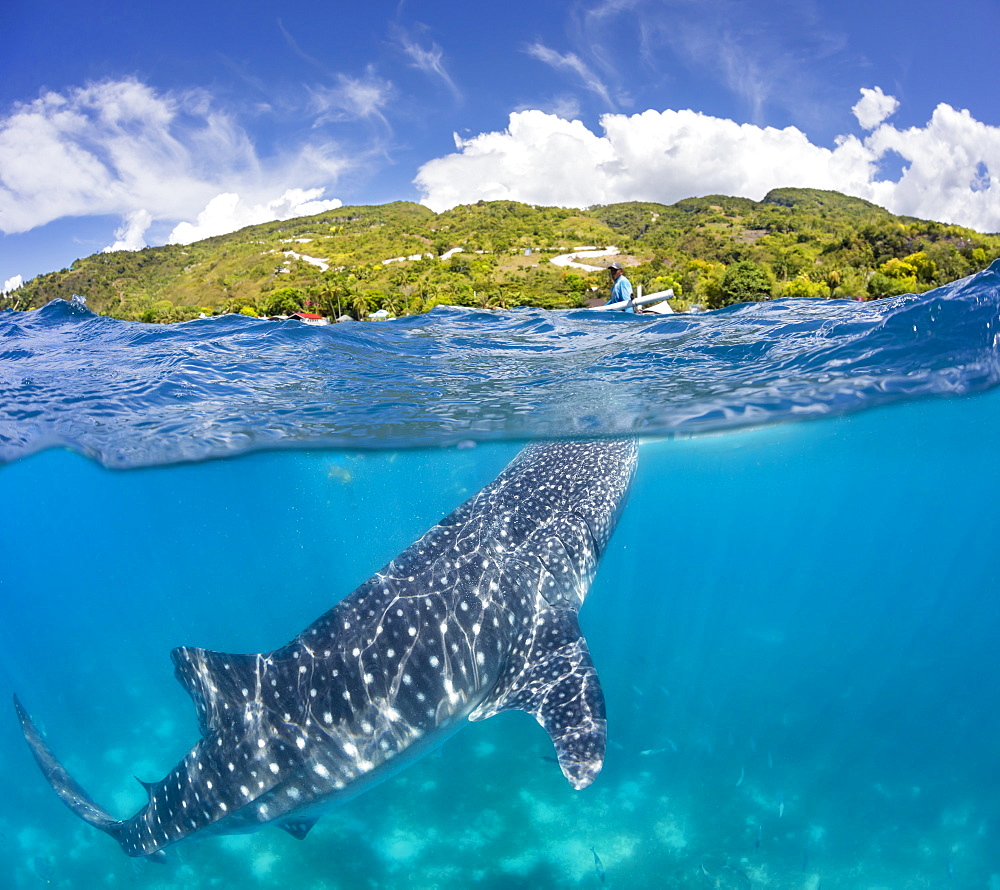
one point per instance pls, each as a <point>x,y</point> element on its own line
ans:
<point>478,616</point>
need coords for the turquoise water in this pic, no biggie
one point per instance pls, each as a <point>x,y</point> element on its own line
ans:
<point>795,623</point>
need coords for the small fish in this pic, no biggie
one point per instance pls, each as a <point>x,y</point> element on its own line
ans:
<point>739,781</point>
<point>770,759</point>
<point>637,690</point>
<point>672,745</point>
<point>760,837</point>
<point>650,752</point>
<point>549,759</point>
<point>742,877</point>
<point>598,865</point>
<point>781,804</point>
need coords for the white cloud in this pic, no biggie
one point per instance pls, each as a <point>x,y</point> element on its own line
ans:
<point>131,233</point>
<point>573,63</point>
<point>653,156</point>
<point>108,148</point>
<point>566,107</point>
<point>11,284</point>
<point>429,60</point>
<point>668,155</point>
<point>227,213</point>
<point>121,147</point>
<point>953,170</point>
<point>731,42</point>
<point>353,98</point>
<point>873,107</point>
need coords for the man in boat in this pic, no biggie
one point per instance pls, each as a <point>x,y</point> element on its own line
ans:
<point>621,288</point>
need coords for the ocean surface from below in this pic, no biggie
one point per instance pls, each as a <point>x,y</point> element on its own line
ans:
<point>129,394</point>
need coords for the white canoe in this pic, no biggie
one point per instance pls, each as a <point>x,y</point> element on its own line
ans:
<point>656,303</point>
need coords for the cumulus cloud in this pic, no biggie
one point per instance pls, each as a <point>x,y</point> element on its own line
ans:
<point>952,173</point>
<point>131,234</point>
<point>109,148</point>
<point>121,147</point>
<point>656,156</point>
<point>668,155</point>
<point>227,213</point>
<point>11,284</point>
<point>873,107</point>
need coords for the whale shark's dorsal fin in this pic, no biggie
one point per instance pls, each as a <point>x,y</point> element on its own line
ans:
<point>550,676</point>
<point>217,682</point>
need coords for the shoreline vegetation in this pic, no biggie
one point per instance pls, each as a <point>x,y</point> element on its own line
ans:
<point>403,259</point>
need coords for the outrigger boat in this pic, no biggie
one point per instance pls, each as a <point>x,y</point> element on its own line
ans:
<point>655,304</point>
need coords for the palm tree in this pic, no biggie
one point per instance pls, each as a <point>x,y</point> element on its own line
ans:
<point>360,303</point>
<point>833,280</point>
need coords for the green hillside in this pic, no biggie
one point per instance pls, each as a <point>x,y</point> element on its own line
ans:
<point>712,251</point>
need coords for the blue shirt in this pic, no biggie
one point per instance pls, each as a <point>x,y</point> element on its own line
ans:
<point>621,290</point>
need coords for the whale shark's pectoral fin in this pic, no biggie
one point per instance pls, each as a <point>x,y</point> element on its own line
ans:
<point>299,828</point>
<point>558,685</point>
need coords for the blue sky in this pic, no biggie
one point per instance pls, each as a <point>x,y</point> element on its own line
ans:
<point>126,124</point>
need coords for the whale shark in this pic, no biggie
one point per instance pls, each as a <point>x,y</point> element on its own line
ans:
<point>476,617</point>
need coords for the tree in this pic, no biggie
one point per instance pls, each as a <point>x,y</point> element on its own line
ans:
<point>703,280</point>
<point>361,304</point>
<point>833,280</point>
<point>893,277</point>
<point>744,282</point>
<point>666,282</point>
<point>882,284</point>
<point>804,288</point>
<point>284,301</point>
<point>923,266</point>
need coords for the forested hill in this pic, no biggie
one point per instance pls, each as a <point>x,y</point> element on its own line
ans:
<point>404,258</point>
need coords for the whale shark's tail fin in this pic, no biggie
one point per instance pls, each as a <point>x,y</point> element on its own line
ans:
<point>558,685</point>
<point>69,791</point>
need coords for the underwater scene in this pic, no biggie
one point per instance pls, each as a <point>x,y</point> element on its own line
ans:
<point>794,622</point>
